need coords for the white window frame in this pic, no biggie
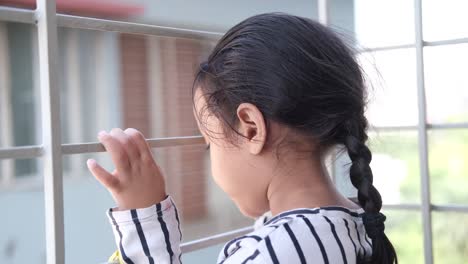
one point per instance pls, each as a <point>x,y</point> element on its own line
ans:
<point>7,170</point>
<point>52,150</point>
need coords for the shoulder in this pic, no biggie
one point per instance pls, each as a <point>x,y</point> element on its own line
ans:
<point>305,234</point>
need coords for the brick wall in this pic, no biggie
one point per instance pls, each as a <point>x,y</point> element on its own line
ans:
<point>134,79</point>
<point>184,167</point>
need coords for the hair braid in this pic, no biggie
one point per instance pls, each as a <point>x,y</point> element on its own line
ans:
<point>369,198</point>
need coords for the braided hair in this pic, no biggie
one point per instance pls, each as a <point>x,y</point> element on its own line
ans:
<point>369,197</point>
<point>299,73</point>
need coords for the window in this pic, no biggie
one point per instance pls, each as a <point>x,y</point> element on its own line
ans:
<point>418,114</point>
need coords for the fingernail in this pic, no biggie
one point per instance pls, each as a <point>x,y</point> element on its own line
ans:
<point>102,133</point>
<point>90,162</point>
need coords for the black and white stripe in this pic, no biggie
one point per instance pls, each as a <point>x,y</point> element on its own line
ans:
<point>321,235</point>
<point>141,235</point>
<point>165,232</point>
<point>271,251</point>
<point>323,252</point>
<point>337,238</point>
<point>178,227</point>
<point>251,257</point>
<point>297,246</point>
<point>350,238</point>
<point>230,243</point>
<point>117,229</point>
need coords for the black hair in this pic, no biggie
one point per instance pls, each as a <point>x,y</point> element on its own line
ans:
<point>301,74</point>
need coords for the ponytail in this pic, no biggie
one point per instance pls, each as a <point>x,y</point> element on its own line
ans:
<point>369,198</point>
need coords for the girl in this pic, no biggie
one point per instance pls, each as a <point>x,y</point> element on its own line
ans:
<point>277,92</point>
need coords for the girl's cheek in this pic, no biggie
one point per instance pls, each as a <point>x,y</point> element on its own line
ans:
<point>216,171</point>
<point>224,170</point>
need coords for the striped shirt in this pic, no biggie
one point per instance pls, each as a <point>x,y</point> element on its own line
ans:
<point>318,235</point>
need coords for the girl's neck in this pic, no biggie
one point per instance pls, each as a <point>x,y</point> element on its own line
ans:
<point>305,183</point>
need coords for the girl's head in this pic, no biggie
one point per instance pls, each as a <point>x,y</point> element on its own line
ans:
<point>275,84</point>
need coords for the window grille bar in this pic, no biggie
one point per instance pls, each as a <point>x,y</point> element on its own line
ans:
<point>387,48</point>
<point>214,240</point>
<point>422,135</point>
<point>51,140</point>
<point>11,14</point>
<point>448,126</point>
<point>434,207</point>
<point>37,151</point>
<point>445,42</point>
<point>70,21</point>
<point>391,128</point>
<point>323,12</point>
<point>21,152</point>
<point>402,207</point>
<point>450,208</point>
<point>154,143</point>
<point>428,126</point>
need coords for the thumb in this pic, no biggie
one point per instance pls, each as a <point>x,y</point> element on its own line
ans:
<point>103,176</point>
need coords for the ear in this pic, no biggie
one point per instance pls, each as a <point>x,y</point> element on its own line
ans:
<point>252,125</point>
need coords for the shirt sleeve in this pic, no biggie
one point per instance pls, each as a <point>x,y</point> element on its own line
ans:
<point>148,234</point>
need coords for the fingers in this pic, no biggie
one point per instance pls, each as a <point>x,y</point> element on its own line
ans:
<point>127,148</point>
<point>103,176</point>
<point>118,154</point>
<point>127,143</point>
<point>140,142</point>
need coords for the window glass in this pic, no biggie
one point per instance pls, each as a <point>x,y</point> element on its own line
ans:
<point>120,80</point>
<point>446,83</point>
<point>19,92</point>
<point>85,205</point>
<point>22,225</point>
<point>373,23</point>
<point>391,84</point>
<point>448,153</point>
<point>376,24</point>
<point>449,239</point>
<point>395,166</point>
<point>404,229</point>
<point>444,19</point>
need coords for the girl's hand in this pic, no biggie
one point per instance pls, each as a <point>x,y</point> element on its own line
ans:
<point>137,181</point>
